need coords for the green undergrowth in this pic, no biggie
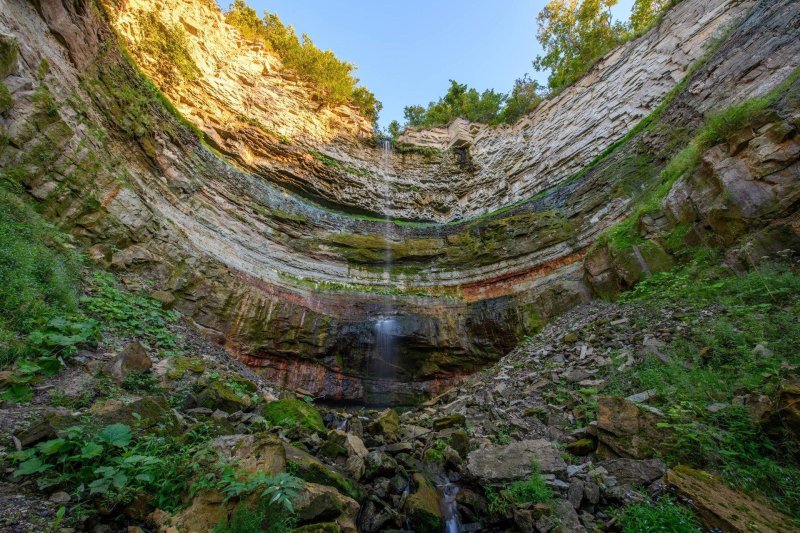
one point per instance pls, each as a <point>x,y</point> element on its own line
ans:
<point>746,349</point>
<point>663,515</point>
<point>528,491</point>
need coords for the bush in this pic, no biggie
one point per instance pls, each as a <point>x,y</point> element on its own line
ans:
<point>664,515</point>
<point>532,490</point>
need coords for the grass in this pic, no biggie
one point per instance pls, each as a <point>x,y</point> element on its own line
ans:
<point>715,362</point>
<point>532,490</point>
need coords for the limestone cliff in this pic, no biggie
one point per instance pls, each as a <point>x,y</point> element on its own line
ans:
<point>251,235</point>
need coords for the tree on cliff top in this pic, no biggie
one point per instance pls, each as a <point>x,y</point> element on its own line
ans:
<point>574,34</point>
<point>333,78</point>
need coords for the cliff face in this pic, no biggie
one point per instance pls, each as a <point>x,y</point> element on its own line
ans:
<point>252,240</point>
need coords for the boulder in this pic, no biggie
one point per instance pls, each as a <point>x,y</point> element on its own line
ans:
<point>581,447</point>
<point>626,430</point>
<point>446,422</point>
<point>220,395</point>
<point>319,503</point>
<point>254,453</point>
<point>388,425</point>
<point>309,468</point>
<point>721,508</point>
<point>497,464</point>
<point>785,417</point>
<point>634,471</point>
<point>377,464</point>
<point>422,507</point>
<point>132,358</point>
<point>293,412</point>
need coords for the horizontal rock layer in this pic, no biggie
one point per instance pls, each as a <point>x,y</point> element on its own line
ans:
<point>300,291</point>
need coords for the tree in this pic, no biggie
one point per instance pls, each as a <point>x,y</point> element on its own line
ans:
<point>574,35</point>
<point>394,129</point>
<point>645,13</point>
<point>524,97</point>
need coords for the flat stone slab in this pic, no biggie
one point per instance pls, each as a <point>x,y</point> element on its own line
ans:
<point>494,464</point>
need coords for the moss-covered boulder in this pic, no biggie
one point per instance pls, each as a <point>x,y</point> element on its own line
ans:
<point>720,508</point>
<point>320,504</point>
<point>422,507</point>
<point>293,412</point>
<point>309,468</point>
<point>180,365</point>
<point>224,396</point>
<point>387,424</point>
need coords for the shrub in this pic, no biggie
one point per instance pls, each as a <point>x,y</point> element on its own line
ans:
<point>664,515</point>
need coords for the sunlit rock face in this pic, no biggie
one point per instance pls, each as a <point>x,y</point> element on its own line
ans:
<point>260,239</point>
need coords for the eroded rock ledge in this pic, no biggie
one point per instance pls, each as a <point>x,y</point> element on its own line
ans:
<point>297,290</point>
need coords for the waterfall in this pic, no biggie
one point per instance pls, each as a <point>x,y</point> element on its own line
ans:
<point>449,506</point>
<point>387,326</point>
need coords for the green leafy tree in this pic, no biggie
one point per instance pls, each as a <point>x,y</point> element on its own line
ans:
<point>524,97</point>
<point>574,35</point>
<point>645,13</point>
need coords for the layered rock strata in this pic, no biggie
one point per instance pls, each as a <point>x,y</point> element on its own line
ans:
<point>299,290</point>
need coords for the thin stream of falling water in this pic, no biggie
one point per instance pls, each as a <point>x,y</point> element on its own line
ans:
<point>386,327</point>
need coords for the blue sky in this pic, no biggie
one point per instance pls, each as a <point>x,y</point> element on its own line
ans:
<point>406,51</point>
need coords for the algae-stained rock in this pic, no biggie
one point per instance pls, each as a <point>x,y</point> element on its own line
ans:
<point>223,396</point>
<point>422,507</point>
<point>450,421</point>
<point>387,424</point>
<point>180,365</point>
<point>348,443</point>
<point>581,447</point>
<point>379,464</point>
<point>719,506</point>
<point>293,412</point>
<point>203,514</point>
<point>497,464</point>
<point>309,468</point>
<point>254,453</point>
<point>624,429</point>
<point>9,51</point>
<point>144,413</point>
<point>785,417</point>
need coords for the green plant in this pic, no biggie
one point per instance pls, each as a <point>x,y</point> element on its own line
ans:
<point>664,515</point>
<point>141,382</point>
<point>435,453</point>
<point>502,435</point>
<point>532,490</point>
<point>128,313</point>
<point>6,100</point>
<point>278,490</point>
<point>263,518</point>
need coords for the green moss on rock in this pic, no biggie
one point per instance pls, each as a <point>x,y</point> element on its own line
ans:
<point>293,412</point>
<point>180,365</point>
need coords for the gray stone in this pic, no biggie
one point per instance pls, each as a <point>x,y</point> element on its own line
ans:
<point>494,464</point>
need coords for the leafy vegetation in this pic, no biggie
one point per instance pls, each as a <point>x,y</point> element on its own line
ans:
<point>532,490</point>
<point>747,348</point>
<point>664,515</point>
<point>128,313</point>
<point>333,78</point>
<point>261,518</point>
<point>114,464</point>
